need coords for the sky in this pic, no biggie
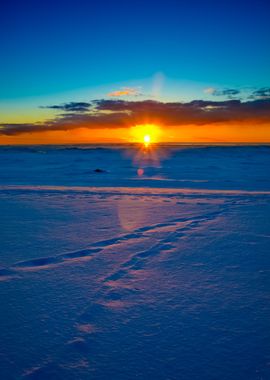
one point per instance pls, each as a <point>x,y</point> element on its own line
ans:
<point>91,71</point>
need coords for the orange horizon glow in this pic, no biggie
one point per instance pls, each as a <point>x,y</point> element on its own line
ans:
<point>210,134</point>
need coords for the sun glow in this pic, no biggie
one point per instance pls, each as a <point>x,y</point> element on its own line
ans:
<point>147,140</point>
<point>145,133</point>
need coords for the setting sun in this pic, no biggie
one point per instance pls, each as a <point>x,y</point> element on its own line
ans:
<point>147,140</point>
<point>145,133</point>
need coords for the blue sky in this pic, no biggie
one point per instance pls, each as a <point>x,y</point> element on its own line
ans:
<point>53,47</point>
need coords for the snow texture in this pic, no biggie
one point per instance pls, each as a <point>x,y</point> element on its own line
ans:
<point>111,274</point>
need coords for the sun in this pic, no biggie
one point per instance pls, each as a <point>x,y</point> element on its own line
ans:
<point>145,134</point>
<point>146,139</point>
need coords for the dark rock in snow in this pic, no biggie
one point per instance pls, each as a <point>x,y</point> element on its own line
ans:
<point>100,170</point>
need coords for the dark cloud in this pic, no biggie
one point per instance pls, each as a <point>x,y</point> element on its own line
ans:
<point>261,93</point>
<point>71,107</point>
<point>120,113</point>
<point>228,92</point>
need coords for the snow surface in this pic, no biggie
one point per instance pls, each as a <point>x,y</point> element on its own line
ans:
<point>114,275</point>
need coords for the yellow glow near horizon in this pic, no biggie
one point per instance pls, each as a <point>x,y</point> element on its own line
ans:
<point>147,140</point>
<point>145,133</point>
<point>233,132</point>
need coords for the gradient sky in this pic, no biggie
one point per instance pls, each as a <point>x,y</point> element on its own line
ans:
<point>65,52</point>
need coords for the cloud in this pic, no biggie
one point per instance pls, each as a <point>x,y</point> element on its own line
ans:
<point>227,92</point>
<point>125,91</point>
<point>71,107</point>
<point>261,93</point>
<point>245,93</point>
<point>118,113</point>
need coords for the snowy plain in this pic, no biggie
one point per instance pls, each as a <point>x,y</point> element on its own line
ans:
<point>154,266</point>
